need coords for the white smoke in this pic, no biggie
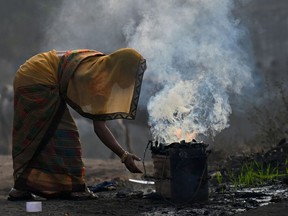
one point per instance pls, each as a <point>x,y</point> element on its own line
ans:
<point>192,48</point>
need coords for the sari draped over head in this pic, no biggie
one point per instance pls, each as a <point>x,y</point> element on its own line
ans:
<point>46,150</point>
<point>104,87</point>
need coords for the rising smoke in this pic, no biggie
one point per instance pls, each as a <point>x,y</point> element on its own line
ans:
<point>193,51</point>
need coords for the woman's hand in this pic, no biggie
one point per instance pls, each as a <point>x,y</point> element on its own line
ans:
<point>109,140</point>
<point>130,163</point>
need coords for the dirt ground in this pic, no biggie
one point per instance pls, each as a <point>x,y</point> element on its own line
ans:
<point>109,202</point>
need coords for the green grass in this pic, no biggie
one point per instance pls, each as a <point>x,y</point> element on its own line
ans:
<point>254,174</point>
<point>219,178</point>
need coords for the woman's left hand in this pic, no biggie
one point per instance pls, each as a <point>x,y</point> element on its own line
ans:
<point>130,163</point>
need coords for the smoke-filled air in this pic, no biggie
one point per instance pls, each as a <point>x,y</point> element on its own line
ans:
<point>194,52</point>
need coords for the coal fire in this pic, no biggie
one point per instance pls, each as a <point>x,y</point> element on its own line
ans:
<point>180,170</point>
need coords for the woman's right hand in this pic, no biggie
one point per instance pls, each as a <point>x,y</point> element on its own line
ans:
<point>130,163</point>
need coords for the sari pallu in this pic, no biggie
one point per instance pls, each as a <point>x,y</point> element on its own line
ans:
<point>103,87</point>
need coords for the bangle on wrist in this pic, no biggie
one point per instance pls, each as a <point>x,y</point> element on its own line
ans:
<point>124,156</point>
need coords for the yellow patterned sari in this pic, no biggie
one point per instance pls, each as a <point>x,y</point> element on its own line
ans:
<point>46,151</point>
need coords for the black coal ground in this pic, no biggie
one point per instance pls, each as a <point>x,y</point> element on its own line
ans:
<point>224,198</point>
<point>131,199</point>
<point>128,200</point>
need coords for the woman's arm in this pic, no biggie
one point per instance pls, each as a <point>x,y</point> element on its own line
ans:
<point>106,136</point>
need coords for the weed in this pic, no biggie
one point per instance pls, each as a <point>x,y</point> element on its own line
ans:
<point>255,174</point>
<point>233,180</point>
<point>219,178</point>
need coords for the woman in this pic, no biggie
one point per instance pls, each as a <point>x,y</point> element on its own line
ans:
<point>46,148</point>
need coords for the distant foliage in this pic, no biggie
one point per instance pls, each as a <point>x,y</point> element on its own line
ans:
<point>271,116</point>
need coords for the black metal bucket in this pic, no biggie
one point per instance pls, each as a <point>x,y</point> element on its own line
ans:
<point>188,178</point>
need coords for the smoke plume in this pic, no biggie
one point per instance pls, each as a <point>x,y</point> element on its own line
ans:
<point>194,52</point>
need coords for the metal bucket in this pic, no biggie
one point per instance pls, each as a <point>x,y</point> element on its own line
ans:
<point>182,172</point>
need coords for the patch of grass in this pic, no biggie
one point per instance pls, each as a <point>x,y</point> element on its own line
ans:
<point>254,174</point>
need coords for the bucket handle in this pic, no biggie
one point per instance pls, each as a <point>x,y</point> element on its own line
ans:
<point>144,155</point>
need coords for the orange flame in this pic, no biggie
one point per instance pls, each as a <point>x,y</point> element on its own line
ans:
<point>178,133</point>
<point>191,136</point>
<point>188,136</point>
